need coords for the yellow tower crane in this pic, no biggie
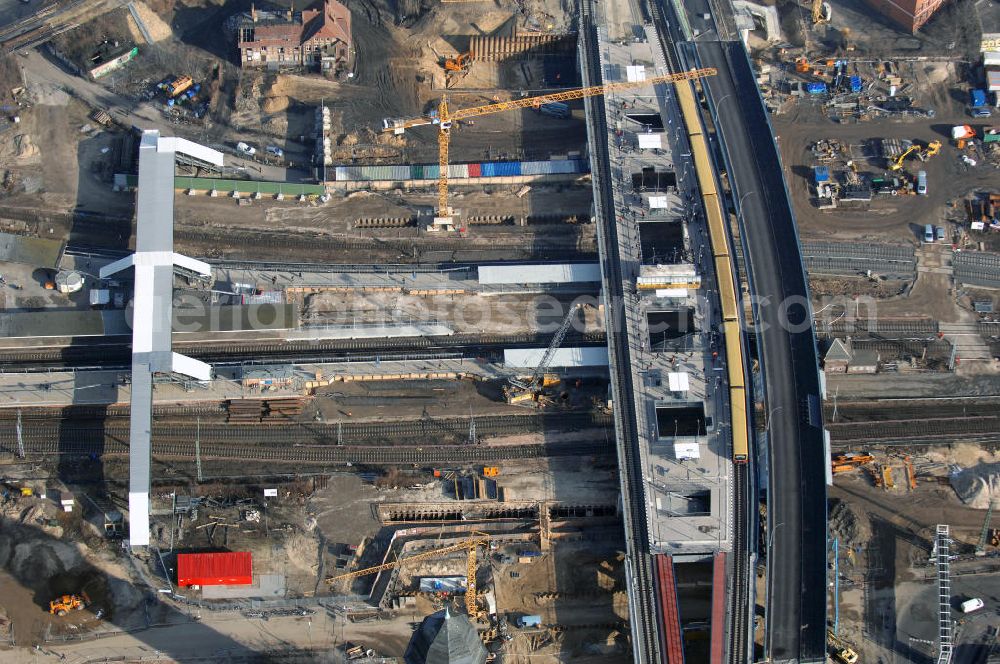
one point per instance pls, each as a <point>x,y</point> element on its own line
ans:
<point>471,545</point>
<point>445,118</point>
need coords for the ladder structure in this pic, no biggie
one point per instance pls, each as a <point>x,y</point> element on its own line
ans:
<point>941,554</point>
<point>985,533</point>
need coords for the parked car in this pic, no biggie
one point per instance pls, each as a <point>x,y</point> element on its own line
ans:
<point>928,233</point>
<point>939,233</point>
<point>275,150</point>
<point>980,112</point>
<point>246,149</point>
<point>974,604</point>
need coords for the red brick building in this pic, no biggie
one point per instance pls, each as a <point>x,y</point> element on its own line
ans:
<point>318,38</point>
<point>909,15</point>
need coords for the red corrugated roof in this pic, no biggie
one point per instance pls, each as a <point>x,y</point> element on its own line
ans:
<point>215,569</point>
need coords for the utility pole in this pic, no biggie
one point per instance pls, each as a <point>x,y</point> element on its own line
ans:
<point>20,436</point>
<point>197,449</point>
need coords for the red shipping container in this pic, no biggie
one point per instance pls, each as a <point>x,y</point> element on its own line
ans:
<point>214,569</point>
<point>475,170</point>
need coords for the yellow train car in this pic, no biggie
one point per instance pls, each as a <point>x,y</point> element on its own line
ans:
<point>734,353</point>
<point>689,107</point>
<point>741,442</point>
<point>716,225</point>
<point>703,165</point>
<point>727,288</point>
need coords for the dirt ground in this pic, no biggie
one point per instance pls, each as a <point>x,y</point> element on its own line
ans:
<point>885,539</point>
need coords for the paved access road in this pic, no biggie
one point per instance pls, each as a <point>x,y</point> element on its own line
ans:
<point>797,500</point>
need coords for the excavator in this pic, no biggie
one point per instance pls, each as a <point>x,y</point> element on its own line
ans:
<point>458,67</point>
<point>896,164</point>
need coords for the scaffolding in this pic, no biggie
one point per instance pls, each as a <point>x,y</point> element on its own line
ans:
<point>941,553</point>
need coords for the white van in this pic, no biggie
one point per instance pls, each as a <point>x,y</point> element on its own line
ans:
<point>922,183</point>
<point>974,604</point>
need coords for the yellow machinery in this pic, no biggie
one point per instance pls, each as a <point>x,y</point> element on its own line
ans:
<point>460,62</point>
<point>842,652</point>
<point>471,545</point>
<point>820,12</point>
<point>932,149</point>
<point>60,606</point>
<point>897,163</point>
<point>529,391</point>
<point>445,118</point>
<point>849,462</point>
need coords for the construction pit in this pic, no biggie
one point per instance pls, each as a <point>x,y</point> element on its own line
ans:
<point>883,517</point>
<point>552,547</point>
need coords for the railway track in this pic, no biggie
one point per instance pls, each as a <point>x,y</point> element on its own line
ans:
<point>305,351</point>
<point>943,429</point>
<point>740,597</point>
<point>639,563</point>
<point>430,432</point>
<point>344,455</point>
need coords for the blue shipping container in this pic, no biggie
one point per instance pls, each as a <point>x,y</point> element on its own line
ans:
<point>978,98</point>
<point>855,84</point>
<point>821,173</point>
<point>498,169</point>
<point>816,88</point>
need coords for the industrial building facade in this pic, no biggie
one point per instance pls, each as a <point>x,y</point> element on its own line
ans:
<point>910,15</point>
<point>313,38</point>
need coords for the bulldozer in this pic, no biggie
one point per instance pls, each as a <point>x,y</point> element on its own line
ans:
<point>60,606</point>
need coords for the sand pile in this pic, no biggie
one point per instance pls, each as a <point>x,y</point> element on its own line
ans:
<point>978,485</point>
<point>25,148</point>
<point>275,104</point>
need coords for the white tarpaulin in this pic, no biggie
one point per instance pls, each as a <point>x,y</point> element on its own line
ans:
<point>650,141</point>
<point>635,73</point>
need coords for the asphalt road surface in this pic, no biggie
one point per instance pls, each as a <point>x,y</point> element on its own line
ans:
<point>797,604</point>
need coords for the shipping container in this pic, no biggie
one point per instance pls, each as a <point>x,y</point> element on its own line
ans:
<point>214,569</point>
<point>458,171</point>
<point>529,621</point>
<point>855,84</point>
<point>496,169</point>
<point>475,170</point>
<point>816,88</point>
<point>978,98</point>
<point>417,172</point>
<point>821,174</point>
<point>535,167</point>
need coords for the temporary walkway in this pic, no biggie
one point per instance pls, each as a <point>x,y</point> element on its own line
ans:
<point>154,263</point>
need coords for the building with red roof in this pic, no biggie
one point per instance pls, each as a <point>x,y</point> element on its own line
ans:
<point>317,38</point>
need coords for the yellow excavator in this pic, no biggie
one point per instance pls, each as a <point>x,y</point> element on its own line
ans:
<point>897,163</point>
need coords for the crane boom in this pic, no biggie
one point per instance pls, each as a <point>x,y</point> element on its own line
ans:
<point>445,117</point>
<point>579,93</point>
<point>472,542</point>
